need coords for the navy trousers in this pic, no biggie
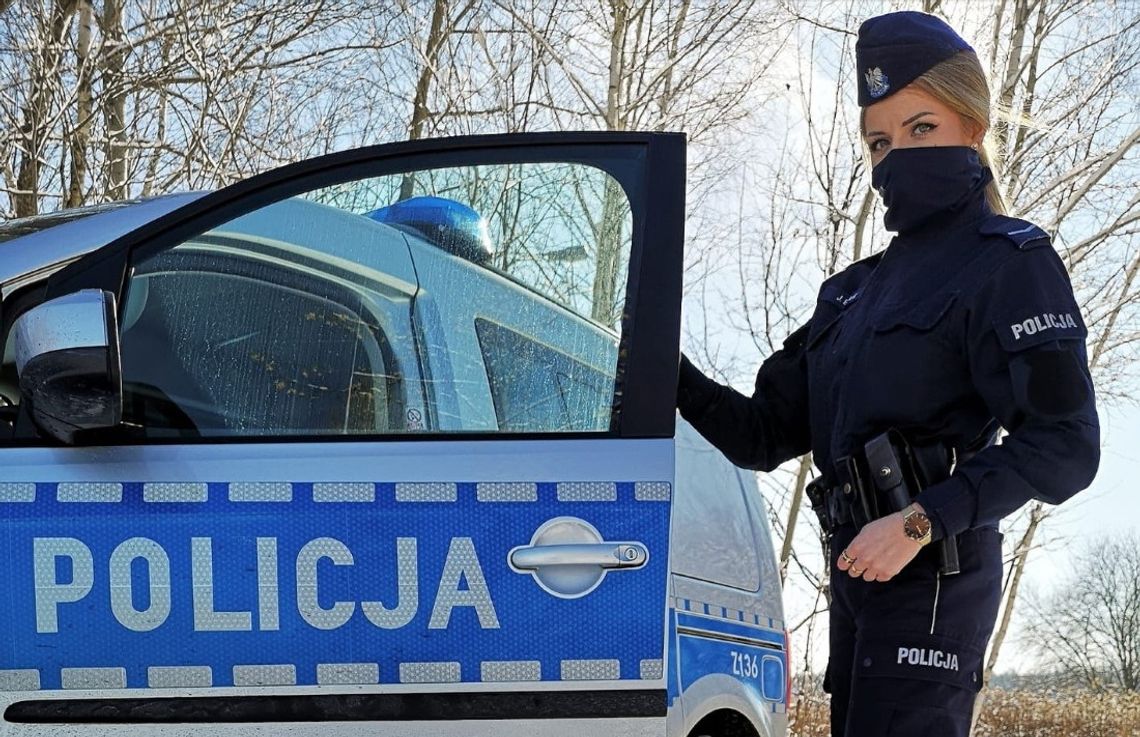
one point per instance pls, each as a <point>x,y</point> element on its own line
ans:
<point>906,655</point>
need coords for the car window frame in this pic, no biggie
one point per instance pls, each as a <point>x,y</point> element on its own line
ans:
<point>646,372</point>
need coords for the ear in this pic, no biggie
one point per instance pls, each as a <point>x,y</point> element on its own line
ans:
<point>976,132</point>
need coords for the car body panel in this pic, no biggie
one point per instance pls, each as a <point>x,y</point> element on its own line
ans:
<point>246,511</point>
<point>37,254</point>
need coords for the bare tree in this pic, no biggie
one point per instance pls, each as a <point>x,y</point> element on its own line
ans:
<point>1089,629</point>
<point>641,64</point>
<point>105,100</point>
<point>41,96</point>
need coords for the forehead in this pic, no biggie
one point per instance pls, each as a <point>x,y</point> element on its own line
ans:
<point>900,106</point>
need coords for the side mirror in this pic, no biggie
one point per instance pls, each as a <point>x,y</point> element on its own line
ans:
<point>67,356</point>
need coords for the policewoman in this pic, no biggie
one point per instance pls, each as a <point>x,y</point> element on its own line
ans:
<point>963,326</point>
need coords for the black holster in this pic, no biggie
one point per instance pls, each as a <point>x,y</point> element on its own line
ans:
<point>817,494</point>
<point>897,472</point>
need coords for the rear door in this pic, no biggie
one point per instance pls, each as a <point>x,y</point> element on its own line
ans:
<point>409,466</point>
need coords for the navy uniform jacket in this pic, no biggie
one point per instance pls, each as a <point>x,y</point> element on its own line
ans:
<point>961,326</point>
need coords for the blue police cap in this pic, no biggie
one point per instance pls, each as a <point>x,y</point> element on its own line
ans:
<point>895,49</point>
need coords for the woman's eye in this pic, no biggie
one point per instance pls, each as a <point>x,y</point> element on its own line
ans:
<point>878,145</point>
<point>923,128</point>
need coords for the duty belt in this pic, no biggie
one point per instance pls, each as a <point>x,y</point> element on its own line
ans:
<point>883,479</point>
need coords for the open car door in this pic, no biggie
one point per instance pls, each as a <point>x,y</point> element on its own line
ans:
<point>392,445</point>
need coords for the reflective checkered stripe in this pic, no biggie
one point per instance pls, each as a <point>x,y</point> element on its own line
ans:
<point>754,617</point>
<point>332,492</point>
<point>328,674</point>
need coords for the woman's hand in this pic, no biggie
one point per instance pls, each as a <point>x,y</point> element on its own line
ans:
<point>879,551</point>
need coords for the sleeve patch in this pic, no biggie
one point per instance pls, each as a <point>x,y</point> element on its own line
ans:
<point>1034,329</point>
<point>1049,382</point>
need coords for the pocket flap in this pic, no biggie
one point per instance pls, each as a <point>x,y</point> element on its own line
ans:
<point>923,657</point>
<point>922,315</point>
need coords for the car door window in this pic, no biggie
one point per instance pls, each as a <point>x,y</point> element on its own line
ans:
<point>480,298</point>
<point>536,387</point>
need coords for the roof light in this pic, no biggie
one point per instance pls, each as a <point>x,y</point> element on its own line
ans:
<point>451,225</point>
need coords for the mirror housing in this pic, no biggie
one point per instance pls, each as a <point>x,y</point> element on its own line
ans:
<point>67,357</point>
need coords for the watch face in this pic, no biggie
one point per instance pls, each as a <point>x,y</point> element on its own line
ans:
<point>917,526</point>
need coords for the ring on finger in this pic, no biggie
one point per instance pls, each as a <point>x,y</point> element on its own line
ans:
<point>847,558</point>
<point>856,573</point>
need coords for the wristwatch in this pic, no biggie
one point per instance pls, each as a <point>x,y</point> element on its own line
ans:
<point>916,525</point>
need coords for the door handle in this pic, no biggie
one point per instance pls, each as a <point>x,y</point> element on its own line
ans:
<point>568,557</point>
<point>604,555</point>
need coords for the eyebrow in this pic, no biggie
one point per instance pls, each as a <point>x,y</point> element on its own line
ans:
<point>905,123</point>
<point>915,117</point>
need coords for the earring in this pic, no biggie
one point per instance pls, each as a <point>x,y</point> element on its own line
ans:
<point>974,146</point>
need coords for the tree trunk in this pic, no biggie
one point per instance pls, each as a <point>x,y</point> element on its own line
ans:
<point>115,100</point>
<point>34,128</point>
<point>1013,174</point>
<point>81,135</point>
<point>604,303</point>
<point>794,514</point>
<point>1021,555</point>
<point>665,102</point>
<point>865,210</point>
<point>1011,75</point>
<point>150,179</point>
<point>614,120</point>
<point>420,114</point>
<point>608,239</point>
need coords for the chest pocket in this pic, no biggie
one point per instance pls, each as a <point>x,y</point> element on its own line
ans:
<point>917,318</point>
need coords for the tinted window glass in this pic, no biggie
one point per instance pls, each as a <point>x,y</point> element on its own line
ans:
<point>465,299</point>
<point>537,388</point>
<point>255,349</point>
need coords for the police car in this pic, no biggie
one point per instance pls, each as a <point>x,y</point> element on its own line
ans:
<point>380,442</point>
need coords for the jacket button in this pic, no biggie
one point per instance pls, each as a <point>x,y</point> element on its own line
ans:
<point>885,471</point>
<point>847,488</point>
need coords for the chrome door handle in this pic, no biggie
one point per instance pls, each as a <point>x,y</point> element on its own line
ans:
<point>605,555</point>
<point>568,557</point>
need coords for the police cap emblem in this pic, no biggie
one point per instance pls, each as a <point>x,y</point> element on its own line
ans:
<point>877,82</point>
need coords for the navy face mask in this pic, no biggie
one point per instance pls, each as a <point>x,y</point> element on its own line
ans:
<point>917,184</point>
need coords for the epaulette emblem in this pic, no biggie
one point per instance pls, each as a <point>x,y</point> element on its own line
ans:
<point>1023,233</point>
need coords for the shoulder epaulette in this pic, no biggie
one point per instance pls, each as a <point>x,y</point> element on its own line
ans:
<point>1023,233</point>
<point>871,260</point>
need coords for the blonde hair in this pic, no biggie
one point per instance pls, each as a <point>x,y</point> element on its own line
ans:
<point>960,84</point>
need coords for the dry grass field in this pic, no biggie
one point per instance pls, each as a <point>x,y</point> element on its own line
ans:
<point>1016,714</point>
